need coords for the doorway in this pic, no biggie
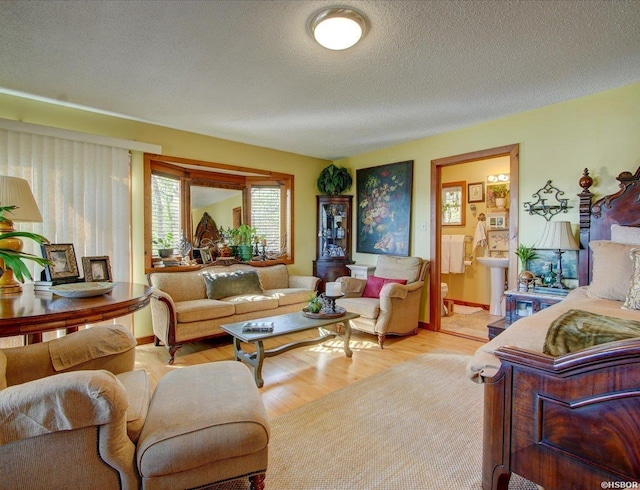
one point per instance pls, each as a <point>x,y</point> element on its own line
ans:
<point>512,152</point>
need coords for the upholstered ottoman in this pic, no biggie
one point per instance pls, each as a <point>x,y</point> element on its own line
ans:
<point>206,424</point>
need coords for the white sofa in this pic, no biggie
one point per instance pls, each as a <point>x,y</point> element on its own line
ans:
<point>182,308</point>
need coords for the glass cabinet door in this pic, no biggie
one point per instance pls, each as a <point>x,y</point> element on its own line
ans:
<point>334,227</point>
<point>334,238</point>
<point>333,232</point>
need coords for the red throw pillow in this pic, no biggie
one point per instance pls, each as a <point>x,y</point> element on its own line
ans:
<point>374,286</point>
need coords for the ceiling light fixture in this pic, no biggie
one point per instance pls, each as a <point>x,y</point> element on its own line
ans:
<point>498,178</point>
<point>338,28</point>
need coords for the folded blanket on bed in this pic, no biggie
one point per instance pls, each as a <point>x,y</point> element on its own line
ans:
<point>578,329</point>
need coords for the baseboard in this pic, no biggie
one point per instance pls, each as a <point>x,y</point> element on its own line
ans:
<point>465,336</point>
<point>426,326</point>
<point>468,303</point>
<point>145,340</point>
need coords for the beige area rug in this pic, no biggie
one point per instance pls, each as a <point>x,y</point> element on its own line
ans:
<point>415,425</point>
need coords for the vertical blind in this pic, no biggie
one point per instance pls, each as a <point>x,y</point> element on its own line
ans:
<point>83,192</point>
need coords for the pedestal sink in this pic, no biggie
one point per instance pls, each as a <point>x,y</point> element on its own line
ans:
<point>497,266</point>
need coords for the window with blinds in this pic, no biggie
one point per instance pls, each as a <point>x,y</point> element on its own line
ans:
<point>265,215</point>
<point>165,209</point>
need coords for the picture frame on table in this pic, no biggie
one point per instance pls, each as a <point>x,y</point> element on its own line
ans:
<point>475,192</point>
<point>64,265</point>
<point>204,254</point>
<point>97,269</point>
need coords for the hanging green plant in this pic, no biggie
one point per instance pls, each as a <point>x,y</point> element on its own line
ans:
<point>334,180</point>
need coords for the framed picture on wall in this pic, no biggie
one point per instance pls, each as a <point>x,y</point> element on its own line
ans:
<point>475,192</point>
<point>384,208</point>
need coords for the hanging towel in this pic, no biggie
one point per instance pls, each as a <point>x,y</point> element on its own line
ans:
<point>456,255</point>
<point>445,252</point>
<point>480,237</point>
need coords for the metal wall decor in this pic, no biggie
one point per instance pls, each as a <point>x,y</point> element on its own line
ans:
<point>549,203</point>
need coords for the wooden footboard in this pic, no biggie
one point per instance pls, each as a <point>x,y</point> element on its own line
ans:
<point>570,422</point>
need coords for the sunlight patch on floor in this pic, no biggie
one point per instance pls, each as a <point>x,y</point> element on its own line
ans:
<point>338,346</point>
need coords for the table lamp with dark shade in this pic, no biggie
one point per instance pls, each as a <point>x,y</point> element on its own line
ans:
<point>557,236</point>
<point>15,192</point>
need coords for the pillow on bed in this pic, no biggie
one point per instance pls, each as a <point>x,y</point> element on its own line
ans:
<point>611,268</point>
<point>625,234</point>
<point>632,301</point>
<point>227,284</point>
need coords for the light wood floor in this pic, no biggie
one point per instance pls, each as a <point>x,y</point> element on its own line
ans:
<point>307,373</point>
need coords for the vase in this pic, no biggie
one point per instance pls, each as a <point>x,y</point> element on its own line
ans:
<point>525,279</point>
<point>224,250</point>
<point>501,202</point>
<point>245,252</point>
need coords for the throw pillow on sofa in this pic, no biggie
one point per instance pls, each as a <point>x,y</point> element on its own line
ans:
<point>374,285</point>
<point>225,284</point>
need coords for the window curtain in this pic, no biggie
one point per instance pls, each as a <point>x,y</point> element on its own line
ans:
<point>83,192</point>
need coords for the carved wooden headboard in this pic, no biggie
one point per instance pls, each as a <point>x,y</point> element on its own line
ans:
<point>596,218</point>
<point>206,232</point>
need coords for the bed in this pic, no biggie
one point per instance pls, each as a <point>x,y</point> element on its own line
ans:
<point>571,421</point>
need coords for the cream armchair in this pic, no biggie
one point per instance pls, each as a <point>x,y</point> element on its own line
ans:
<point>74,415</point>
<point>396,309</point>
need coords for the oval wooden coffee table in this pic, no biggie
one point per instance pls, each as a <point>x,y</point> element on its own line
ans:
<point>33,312</point>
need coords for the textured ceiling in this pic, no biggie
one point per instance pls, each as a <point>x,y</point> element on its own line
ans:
<point>248,71</point>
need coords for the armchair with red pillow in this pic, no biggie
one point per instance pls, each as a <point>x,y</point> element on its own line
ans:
<point>389,301</point>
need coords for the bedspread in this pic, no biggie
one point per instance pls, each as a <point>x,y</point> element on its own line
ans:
<point>530,332</point>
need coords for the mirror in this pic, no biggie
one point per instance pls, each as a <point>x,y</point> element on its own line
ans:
<point>178,193</point>
<point>224,206</point>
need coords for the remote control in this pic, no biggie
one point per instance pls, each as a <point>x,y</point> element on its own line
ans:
<point>257,329</point>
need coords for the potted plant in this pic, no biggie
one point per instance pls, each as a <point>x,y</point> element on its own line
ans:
<point>500,192</point>
<point>11,259</point>
<point>164,244</point>
<point>244,236</point>
<point>526,277</point>
<point>226,243</point>
<point>334,180</point>
<point>315,304</point>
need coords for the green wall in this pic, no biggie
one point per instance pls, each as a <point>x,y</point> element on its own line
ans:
<point>598,132</point>
<point>186,145</point>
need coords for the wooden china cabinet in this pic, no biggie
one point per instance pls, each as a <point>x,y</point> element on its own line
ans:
<point>333,245</point>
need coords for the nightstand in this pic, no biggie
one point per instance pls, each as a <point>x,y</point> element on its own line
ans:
<point>520,304</point>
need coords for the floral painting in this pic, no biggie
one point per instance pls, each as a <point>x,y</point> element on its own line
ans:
<point>384,208</point>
